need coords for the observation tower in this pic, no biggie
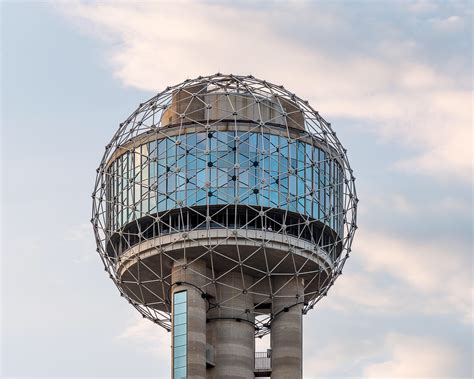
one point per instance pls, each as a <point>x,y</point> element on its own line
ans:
<point>224,208</point>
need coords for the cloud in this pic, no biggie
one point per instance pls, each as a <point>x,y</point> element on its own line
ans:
<point>375,202</point>
<point>450,23</point>
<point>391,355</point>
<point>401,97</point>
<point>398,202</point>
<point>348,353</point>
<point>399,275</point>
<point>81,235</point>
<point>415,357</point>
<point>421,6</point>
<point>149,338</point>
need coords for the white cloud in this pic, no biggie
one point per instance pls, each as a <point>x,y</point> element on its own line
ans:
<point>410,102</point>
<point>392,355</point>
<point>376,202</point>
<point>327,359</point>
<point>421,6</point>
<point>150,338</point>
<point>428,277</point>
<point>415,357</point>
<point>450,23</point>
<point>81,235</point>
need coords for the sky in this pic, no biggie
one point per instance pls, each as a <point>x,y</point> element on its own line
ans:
<point>393,78</point>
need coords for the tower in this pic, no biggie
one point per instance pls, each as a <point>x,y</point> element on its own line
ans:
<point>224,208</point>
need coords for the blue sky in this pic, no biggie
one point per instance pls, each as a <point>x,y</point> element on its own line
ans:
<point>393,78</point>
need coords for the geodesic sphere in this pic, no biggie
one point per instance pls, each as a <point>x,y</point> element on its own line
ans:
<point>236,173</point>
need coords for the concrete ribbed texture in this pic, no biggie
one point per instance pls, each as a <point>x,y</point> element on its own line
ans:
<point>286,330</point>
<point>233,341</point>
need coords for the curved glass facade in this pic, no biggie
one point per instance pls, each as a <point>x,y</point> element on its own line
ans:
<point>225,167</point>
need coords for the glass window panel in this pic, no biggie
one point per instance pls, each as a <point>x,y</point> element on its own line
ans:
<point>180,180</point>
<point>243,195</point>
<point>213,176</point>
<point>180,340</point>
<point>230,193</point>
<point>244,179</point>
<point>171,183</point>
<point>301,151</point>
<point>213,199</point>
<point>190,141</point>
<point>265,140</point>
<point>170,147</point>
<point>292,207</point>
<point>191,161</point>
<point>180,362</point>
<point>179,329</point>
<point>201,142</point>
<point>283,144</point>
<point>152,205</point>
<point>283,180</point>
<point>201,161</point>
<point>180,373</point>
<point>179,332</point>
<point>292,148</point>
<point>180,297</point>
<point>161,150</point>
<point>254,141</point>
<point>181,161</point>
<point>292,185</point>
<point>253,177</point>
<point>161,203</point>
<point>224,160</point>
<point>222,178</point>
<point>180,351</point>
<point>201,178</point>
<point>283,163</point>
<point>201,197</point>
<point>274,198</point>
<point>191,197</point>
<point>152,146</point>
<point>243,158</point>
<point>264,198</point>
<point>300,205</point>
<point>301,187</point>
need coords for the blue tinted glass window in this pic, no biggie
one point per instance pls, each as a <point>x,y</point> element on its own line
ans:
<point>274,172</point>
<point>180,373</point>
<point>180,334</point>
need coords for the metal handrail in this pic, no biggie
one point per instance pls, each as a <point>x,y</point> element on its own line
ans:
<point>263,360</point>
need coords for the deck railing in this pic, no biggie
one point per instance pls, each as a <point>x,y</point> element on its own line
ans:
<point>263,360</point>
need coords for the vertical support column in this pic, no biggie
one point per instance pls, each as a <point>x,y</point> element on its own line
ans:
<point>286,328</point>
<point>185,278</point>
<point>231,330</point>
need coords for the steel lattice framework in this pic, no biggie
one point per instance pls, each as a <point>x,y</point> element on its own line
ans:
<point>214,164</point>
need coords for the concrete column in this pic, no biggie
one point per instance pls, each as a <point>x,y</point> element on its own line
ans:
<point>233,341</point>
<point>286,329</point>
<point>189,276</point>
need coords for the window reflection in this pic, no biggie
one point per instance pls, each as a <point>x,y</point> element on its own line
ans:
<point>215,168</point>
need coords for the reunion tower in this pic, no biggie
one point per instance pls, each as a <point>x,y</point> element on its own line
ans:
<point>224,208</point>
